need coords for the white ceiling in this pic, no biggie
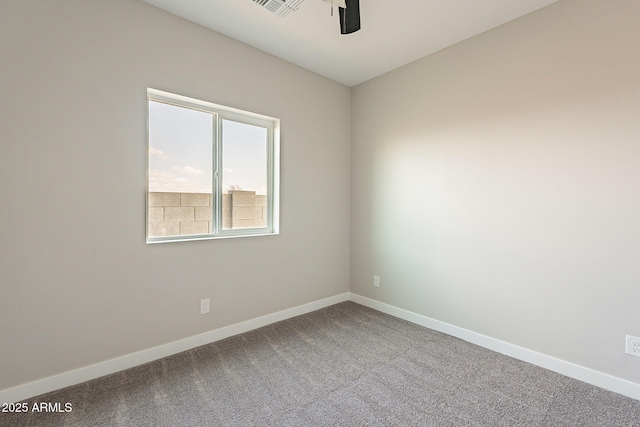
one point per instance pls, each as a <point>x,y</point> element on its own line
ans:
<point>394,32</point>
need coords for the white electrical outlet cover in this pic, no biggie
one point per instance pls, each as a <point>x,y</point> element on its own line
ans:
<point>204,306</point>
<point>633,346</point>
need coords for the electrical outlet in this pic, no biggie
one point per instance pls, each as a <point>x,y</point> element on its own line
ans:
<point>376,281</point>
<point>633,346</point>
<point>205,306</point>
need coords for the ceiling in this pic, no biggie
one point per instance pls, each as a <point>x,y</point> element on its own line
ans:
<point>393,33</point>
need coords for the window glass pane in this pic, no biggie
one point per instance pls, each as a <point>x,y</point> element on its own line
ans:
<point>180,170</point>
<point>244,175</point>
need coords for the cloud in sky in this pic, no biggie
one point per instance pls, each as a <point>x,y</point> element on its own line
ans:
<point>155,152</point>
<point>162,181</point>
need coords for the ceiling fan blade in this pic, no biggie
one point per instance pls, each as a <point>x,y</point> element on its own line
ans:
<point>350,17</point>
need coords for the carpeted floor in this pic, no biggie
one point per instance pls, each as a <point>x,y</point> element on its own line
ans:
<point>345,365</point>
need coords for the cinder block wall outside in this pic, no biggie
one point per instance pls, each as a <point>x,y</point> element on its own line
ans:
<point>179,214</point>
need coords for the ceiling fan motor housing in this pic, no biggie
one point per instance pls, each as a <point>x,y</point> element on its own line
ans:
<point>350,17</point>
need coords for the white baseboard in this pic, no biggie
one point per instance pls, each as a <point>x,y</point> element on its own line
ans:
<point>77,376</point>
<point>587,375</point>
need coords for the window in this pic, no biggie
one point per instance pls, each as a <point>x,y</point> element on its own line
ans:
<point>212,170</point>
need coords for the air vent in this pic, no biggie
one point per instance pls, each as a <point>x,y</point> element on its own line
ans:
<point>281,8</point>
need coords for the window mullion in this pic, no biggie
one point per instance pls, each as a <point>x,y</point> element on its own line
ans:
<point>216,196</point>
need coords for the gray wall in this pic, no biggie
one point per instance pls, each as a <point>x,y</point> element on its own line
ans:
<point>495,184</point>
<point>78,284</point>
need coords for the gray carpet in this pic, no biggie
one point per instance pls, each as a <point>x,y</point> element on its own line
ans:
<point>346,365</point>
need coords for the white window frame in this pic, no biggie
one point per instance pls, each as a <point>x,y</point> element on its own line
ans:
<point>220,113</point>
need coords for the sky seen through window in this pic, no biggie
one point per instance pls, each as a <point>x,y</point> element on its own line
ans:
<point>181,152</point>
